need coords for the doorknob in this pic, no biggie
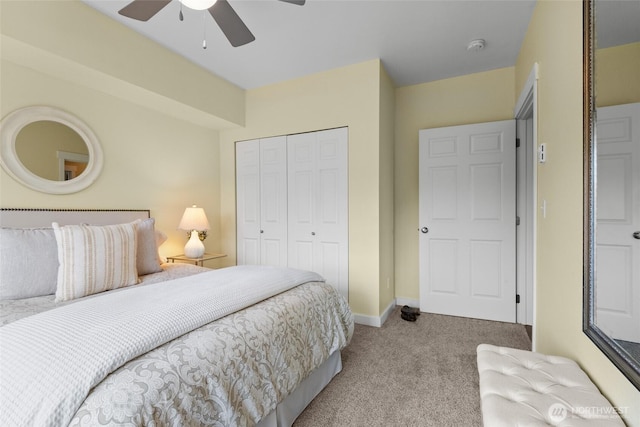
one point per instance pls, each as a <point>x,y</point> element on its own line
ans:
<point>636,235</point>
<point>425,230</point>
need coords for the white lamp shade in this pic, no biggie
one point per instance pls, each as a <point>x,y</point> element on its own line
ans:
<point>194,218</point>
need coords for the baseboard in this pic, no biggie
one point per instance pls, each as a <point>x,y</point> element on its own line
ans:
<point>363,319</point>
<point>377,321</point>
<point>408,301</point>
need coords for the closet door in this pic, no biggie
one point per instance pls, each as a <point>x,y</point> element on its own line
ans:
<point>318,204</point>
<point>261,201</point>
<point>273,201</point>
<point>248,202</point>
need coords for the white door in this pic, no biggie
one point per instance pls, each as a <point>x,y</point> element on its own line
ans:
<point>273,201</point>
<point>261,183</point>
<point>318,205</point>
<point>618,218</point>
<point>467,188</point>
<point>248,201</point>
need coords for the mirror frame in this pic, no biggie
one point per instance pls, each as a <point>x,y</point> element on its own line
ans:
<point>627,365</point>
<point>13,123</point>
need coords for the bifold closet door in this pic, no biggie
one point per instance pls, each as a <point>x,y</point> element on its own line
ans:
<point>318,204</point>
<point>261,198</point>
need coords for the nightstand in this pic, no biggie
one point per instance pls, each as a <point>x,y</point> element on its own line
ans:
<point>196,261</point>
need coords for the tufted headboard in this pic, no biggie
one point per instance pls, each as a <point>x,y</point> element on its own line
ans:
<point>33,218</point>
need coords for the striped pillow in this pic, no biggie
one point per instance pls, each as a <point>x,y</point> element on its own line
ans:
<point>94,259</point>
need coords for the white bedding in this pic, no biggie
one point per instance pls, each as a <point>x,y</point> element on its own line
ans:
<point>12,310</point>
<point>43,380</point>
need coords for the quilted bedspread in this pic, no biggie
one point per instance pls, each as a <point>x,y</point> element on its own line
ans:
<point>232,371</point>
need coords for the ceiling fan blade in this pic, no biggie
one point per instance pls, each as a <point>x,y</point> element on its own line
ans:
<point>143,10</point>
<point>231,24</point>
<point>298,2</point>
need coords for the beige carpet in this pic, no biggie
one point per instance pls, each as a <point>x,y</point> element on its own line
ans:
<point>420,373</point>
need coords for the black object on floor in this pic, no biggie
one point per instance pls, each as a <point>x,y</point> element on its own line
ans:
<point>409,314</point>
<point>409,317</point>
<point>411,310</point>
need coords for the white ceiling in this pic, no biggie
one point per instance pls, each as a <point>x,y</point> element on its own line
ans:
<point>617,22</point>
<point>418,41</point>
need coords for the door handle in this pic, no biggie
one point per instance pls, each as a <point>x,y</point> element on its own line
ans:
<point>425,230</point>
<point>636,235</point>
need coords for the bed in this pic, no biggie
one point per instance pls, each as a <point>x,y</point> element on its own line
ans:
<point>183,345</point>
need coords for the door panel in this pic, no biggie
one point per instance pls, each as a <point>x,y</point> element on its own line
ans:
<point>329,253</point>
<point>328,201</point>
<point>261,198</point>
<point>618,217</point>
<point>467,202</point>
<point>444,193</point>
<point>249,251</point>
<point>301,254</point>
<point>486,268</point>
<point>273,201</point>
<point>318,214</point>
<point>248,201</point>
<point>486,192</point>
<point>443,259</point>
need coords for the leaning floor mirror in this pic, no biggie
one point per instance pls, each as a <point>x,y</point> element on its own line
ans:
<point>612,181</point>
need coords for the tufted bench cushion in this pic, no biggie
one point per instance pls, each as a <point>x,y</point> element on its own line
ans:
<point>523,388</point>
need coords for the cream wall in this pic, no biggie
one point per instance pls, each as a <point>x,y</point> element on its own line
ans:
<point>617,72</point>
<point>76,43</point>
<point>474,98</point>
<point>348,96</point>
<point>159,134</point>
<point>151,161</point>
<point>554,41</point>
<point>387,202</point>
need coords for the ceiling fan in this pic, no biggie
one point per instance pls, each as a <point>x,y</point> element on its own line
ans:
<point>227,19</point>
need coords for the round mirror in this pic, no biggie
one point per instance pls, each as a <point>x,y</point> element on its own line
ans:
<point>52,150</point>
<point>49,150</point>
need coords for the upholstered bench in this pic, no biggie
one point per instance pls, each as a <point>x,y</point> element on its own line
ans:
<point>524,388</point>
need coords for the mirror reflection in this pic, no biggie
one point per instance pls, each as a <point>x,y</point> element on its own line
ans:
<point>34,139</point>
<point>617,131</point>
<point>52,150</point>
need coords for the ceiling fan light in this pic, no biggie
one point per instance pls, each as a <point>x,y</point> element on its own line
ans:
<point>198,4</point>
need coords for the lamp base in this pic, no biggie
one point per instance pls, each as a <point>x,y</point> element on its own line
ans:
<point>194,247</point>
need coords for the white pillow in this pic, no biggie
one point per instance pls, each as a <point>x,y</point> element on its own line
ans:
<point>28,262</point>
<point>147,255</point>
<point>160,239</point>
<point>95,258</point>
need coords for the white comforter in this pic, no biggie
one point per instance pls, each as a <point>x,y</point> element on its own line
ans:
<point>49,362</point>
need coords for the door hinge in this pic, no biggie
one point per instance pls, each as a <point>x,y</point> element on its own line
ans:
<point>517,142</point>
<point>517,220</point>
<point>517,298</point>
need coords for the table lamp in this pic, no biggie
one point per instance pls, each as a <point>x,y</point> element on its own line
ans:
<point>195,222</point>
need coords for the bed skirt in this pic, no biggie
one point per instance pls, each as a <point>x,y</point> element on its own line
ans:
<point>292,406</point>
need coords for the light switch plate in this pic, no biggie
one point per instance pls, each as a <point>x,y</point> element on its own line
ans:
<point>542,153</point>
